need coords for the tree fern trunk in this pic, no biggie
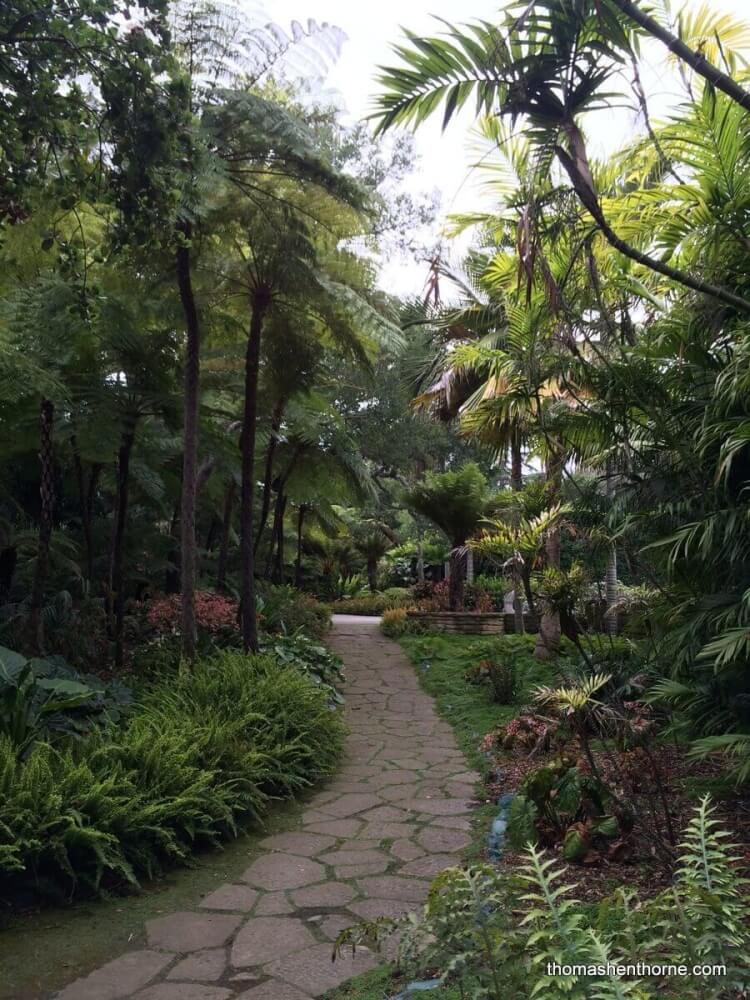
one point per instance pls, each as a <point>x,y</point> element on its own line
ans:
<point>279,570</point>
<point>457,578</point>
<point>274,532</point>
<point>117,579</point>
<point>46,509</point>
<point>420,561</point>
<point>84,508</point>
<point>298,564</point>
<point>188,554</point>
<point>260,302</point>
<point>276,419</point>
<point>226,528</point>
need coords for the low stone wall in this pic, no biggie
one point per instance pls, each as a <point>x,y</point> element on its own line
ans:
<point>462,622</point>
<point>530,623</point>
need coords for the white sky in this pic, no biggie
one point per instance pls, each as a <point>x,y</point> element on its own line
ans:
<point>445,157</point>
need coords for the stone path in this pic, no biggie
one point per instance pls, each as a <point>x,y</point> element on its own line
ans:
<point>395,815</point>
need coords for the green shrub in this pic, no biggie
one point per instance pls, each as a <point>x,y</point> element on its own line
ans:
<point>498,674</point>
<point>397,593</point>
<point>311,658</point>
<point>396,622</point>
<point>203,752</point>
<point>373,604</point>
<point>284,609</point>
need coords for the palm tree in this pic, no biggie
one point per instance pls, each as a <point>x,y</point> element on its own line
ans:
<point>456,502</point>
<point>548,67</point>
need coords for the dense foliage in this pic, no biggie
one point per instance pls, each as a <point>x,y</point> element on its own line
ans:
<point>199,755</point>
<point>602,328</point>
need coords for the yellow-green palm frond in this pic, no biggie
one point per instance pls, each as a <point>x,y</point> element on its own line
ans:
<point>575,698</point>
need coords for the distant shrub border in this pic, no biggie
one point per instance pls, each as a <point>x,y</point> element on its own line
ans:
<point>203,753</point>
<point>375,604</point>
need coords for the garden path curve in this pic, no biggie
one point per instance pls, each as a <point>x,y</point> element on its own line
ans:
<point>395,815</point>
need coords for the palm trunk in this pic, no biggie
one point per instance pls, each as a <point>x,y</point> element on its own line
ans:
<point>516,463</point>
<point>611,591</point>
<point>548,639</point>
<point>188,557</point>
<point>278,413</point>
<point>575,163</point>
<point>696,61</point>
<point>47,503</point>
<point>298,563</point>
<point>611,583</point>
<point>226,527</point>
<point>260,302</point>
<point>518,622</point>
<point>117,576</point>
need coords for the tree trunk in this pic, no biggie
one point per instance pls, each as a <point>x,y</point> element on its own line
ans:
<point>96,471</point>
<point>518,622</point>
<point>611,583</point>
<point>260,302</point>
<point>83,501</point>
<point>213,529</point>
<point>372,575</point>
<point>8,563</point>
<point>457,578</point>
<point>548,639</point>
<point>172,571</point>
<point>47,504</point>
<point>279,571</point>
<point>277,515</point>
<point>611,591</point>
<point>516,463</point>
<point>117,576</point>
<point>576,165</point>
<point>226,528</point>
<point>188,557</point>
<point>298,564</point>
<point>696,61</point>
<point>420,562</point>
<point>276,418</point>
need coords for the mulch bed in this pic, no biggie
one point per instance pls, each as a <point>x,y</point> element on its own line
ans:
<point>643,870</point>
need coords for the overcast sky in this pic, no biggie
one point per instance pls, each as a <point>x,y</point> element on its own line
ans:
<point>372,29</point>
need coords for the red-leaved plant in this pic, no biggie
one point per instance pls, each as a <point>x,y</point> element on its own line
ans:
<point>214,613</point>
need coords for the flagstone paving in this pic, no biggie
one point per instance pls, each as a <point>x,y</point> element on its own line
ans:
<point>396,814</point>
